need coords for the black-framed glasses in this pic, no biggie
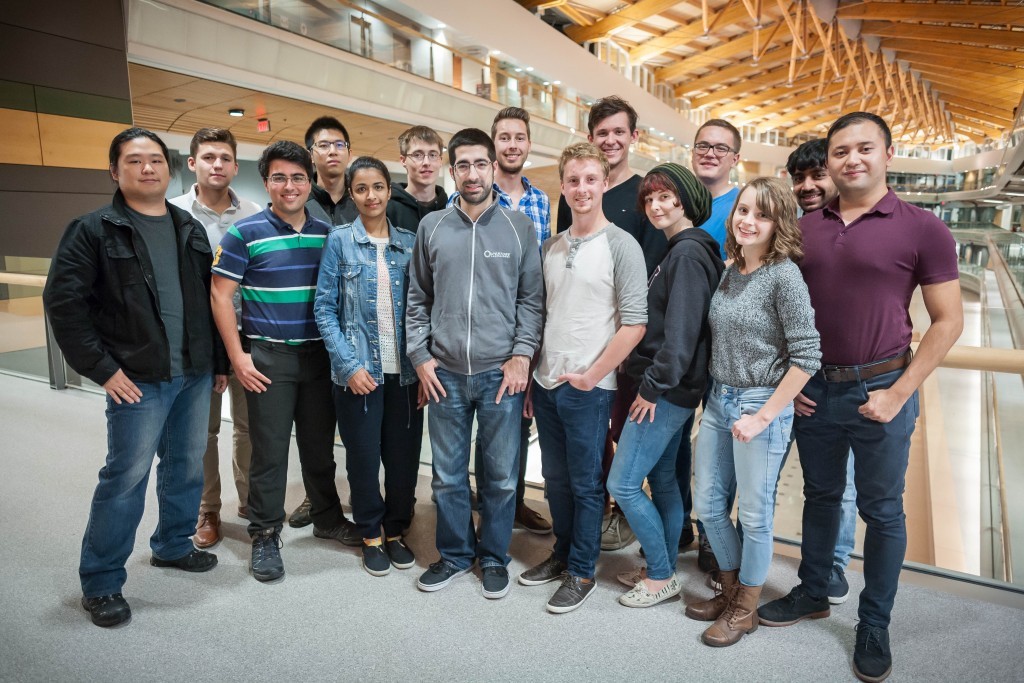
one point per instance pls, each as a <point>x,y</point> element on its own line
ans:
<point>298,180</point>
<point>720,150</point>
<point>462,168</point>
<point>418,157</point>
<point>325,146</point>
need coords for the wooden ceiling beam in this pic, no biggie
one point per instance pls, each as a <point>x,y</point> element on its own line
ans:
<point>731,14</point>
<point>783,97</point>
<point>985,118</point>
<point>993,113</point>
<point>943,34</point>
<point>721,76</point>
<point>945,64</point>
<point>768,78</point>
<point>989,131</point>
<point>959,13</point>
<point>982,54</point>
<point>728,50</point>
<point>624,18</point>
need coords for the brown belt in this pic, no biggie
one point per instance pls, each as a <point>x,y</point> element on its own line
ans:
<point>855,373</point>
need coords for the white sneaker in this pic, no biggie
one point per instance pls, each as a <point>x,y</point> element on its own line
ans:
<point>641,597</point>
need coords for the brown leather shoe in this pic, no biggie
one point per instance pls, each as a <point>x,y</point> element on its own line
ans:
<point>709,610</point>
<point>529,519</point>
<point>739,618</point>
<point>207,530</point>
<point>243,511</point>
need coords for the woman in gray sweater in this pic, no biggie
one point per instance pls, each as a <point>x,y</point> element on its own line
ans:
<point>764,348</point>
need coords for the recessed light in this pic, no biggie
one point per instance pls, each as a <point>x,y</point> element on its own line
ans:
<point>529,68</point>
<point>495,52</point>
<point>236,112</point>
<point>519,71</point>
<point>557,82</point>
<point>547,82</point>
<point>179,100</point>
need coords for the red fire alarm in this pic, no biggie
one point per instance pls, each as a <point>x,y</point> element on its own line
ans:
<point>262,125</point>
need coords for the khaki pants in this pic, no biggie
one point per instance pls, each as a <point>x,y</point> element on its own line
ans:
<point>241,448</point>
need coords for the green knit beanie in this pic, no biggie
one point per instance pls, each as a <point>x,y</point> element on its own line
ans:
<point>695,198</point>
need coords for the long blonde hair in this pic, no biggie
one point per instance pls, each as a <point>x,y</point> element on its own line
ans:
<point>775,199</point>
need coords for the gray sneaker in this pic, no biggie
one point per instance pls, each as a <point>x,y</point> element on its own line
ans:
<point>838,587</point>
<point>616,533</point>
<point>551,569</point>
<point>571,594</point>
<point>495,580</point>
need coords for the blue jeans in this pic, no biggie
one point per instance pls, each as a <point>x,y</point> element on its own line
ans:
<point>725,464</point>
<point>170,421</point>
<point>648,450</point>
<point>881,451</point>
<point>450,424</point>
<point>571,427</point>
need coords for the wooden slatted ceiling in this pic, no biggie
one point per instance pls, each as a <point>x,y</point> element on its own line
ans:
<point>777,64</point>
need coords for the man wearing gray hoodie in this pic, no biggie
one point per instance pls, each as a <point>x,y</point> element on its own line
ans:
<point>473,323</point>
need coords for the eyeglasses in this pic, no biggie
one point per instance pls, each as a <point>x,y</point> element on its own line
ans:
<point>325,146</point>
<point>418,157</point>
<point>702,148</point>
<point>298,180</point>
<point>462,168</point>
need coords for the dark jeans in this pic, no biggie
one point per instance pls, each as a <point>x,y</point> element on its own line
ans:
<point>571,426</point>
<point>524,447</point>
<point>881,452</point>
<point>300,392</point>
<point>382,427</point>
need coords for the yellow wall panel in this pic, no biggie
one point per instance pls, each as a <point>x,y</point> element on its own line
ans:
<point>76,143</point>
<point>19,138</point>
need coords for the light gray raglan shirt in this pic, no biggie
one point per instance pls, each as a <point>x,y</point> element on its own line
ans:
<point>593,286</point>
<point>761,324</point>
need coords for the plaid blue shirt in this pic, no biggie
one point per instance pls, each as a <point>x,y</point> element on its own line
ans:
<point>534,204</point>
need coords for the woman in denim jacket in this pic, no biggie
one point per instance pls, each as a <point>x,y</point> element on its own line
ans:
<point>360,310</point>
<point>764,348</point>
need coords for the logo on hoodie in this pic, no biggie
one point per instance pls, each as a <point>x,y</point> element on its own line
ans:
<point>497,254</point>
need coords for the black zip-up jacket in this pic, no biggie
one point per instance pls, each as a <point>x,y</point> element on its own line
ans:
<point>101,298</point>
<point>406,213</point>
<point>320,205</point>
<point>672,358</point>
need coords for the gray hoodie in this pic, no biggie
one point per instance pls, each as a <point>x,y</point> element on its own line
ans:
<point>476,293</point>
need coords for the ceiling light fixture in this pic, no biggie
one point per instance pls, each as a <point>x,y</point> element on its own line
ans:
<point>236,112</point>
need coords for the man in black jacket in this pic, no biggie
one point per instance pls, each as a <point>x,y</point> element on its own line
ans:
<point>127,298</point>
<point>420,150</point>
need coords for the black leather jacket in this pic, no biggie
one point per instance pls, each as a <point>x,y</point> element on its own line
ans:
<point>101,298</point>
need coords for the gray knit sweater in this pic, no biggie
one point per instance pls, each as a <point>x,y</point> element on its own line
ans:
<point>761,324</point>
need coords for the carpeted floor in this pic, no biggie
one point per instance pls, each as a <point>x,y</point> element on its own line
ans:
<point>330,620</point>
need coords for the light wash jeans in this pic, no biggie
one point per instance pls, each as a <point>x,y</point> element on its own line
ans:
<point>648,450</point>
<point>169,421</point>
<point>723,462</point>
<point>847,520</point>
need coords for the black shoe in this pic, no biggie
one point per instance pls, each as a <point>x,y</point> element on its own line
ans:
<point>792,608</point>
<point>345,533</point>
<point>400,554</point>
<point>872,658</point>
<point>686,538</point>
<point>571,594</point>
<point>838,587</point>
<point>300,517</point>
<point>551,569</point>
<point>375,560</point>
<point>266,563</point>
<point>108,610</point>
<point>439,575</point>
<point>495,581</point>
<point>195,561</point>
<point>706,560</point>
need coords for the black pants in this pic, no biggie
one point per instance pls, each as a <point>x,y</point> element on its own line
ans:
<point>300,392</point>
<point>382,427</point>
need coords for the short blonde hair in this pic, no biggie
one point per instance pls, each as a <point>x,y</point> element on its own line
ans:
<point>775,199</point>
<point>582,151</point>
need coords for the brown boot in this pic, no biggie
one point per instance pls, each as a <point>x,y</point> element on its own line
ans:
<point>738,618</point>
<point>207,530</point>
<point>709,610</point>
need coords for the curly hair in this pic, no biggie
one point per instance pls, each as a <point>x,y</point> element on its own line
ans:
<point>775,199</point>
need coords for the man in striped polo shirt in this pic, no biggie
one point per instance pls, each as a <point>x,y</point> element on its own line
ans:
<point>274,257</point>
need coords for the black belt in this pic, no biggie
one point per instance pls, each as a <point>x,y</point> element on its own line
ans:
<point>855,373</point>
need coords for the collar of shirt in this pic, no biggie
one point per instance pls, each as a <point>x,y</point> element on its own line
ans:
<point>193,198</point>
<point>281,225</point>
<point>884,207</point>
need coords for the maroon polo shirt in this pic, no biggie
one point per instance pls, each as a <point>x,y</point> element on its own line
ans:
<point>861,276</point>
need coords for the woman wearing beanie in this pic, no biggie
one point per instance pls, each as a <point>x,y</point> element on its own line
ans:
<point>670,366</point>
<point>764,349</point>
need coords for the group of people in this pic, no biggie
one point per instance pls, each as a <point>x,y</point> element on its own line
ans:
<point>352,302</point>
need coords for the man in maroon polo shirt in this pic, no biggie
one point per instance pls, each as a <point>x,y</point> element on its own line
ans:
<point>866,253</point>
